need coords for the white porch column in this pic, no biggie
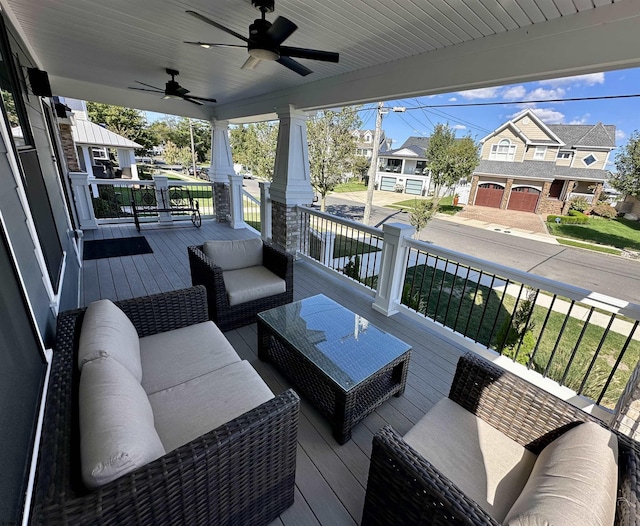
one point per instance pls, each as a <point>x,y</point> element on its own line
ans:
<point>162,197</point>
<point>126,159</point>
<point>392,268</point>
<point>83,201</point>
<point>87,159</point>
<point>221,169</point>
<point>265,210</point>
<point>235,194</point>
<point>291,179</point>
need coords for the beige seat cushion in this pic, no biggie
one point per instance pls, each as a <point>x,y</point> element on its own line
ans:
<point>486,465</point>
<point>189,410</point>
<point>173,357</point>
<point>106,331</point>
<point>574,481</point>
<point>117,433</point>
<point>231,255</point>
<point>248,284</point>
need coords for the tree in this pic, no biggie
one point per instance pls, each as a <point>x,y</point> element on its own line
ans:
<point>332,147</point>
<point>422,213</point>
<point>360,166</point>
<point>254,146</point>
<point>627,177</point>
<point>128,122</point>
<point>171,153</point>
<point>176,130</point>
<point>450,159</point>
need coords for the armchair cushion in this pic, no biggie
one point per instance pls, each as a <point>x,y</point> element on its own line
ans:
<point>248,284</point>
<point>107,331</point>
<point>485,464</point>
<point>206,402</point>
<point>173,357</point>
<point>574,481</point>
<point>235,254</point>
<point>117,433</point>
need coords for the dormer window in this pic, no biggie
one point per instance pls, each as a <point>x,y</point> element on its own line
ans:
<point>367,138</point>
<point>589,159</point>
<point>503,151</point>
<point>564,154</point>
<point>539,153</point>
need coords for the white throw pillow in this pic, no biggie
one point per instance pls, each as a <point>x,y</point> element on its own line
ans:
<point>106,331</point>
<point>235,254</point>
<point>117,433</point>
<point>573,482</point>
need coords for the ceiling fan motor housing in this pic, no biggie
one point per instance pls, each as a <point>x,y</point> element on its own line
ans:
<point>266,6</point>
<point>259,44</point>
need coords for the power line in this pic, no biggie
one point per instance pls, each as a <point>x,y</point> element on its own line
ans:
<point>541,101</point>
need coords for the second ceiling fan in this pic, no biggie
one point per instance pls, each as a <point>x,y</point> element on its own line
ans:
<point>265,41</point>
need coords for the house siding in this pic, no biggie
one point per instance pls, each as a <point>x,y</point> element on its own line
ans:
<point>582,154</point>
<point>505,134</point>
<point>531,129</point>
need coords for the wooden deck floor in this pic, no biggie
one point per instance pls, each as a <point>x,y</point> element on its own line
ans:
<point>330,479</point>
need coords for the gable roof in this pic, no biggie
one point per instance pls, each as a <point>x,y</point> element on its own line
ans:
<point>412,147</point>
<point>86,132</point>
<point>598,135</point>
<point>553,137</point>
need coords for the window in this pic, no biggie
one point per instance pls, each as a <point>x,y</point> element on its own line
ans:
<point>503,151</point>
<point>367,138</point>
<point>100,153</point>
<point>539,153</point>
<point>564,154</point>
<point>589,159</point>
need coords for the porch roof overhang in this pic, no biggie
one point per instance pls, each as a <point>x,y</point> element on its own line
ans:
<point>96,50</point>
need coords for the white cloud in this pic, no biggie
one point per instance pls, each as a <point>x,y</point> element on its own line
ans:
<point>545,94</point>
<point>620,135</point>
<point>453,99</point>
<point>515,92</point>
<point>546,115</point>
<point>480,93</point>
<point>590,79</point>
<point>581,120</point>
<point>459,127</point>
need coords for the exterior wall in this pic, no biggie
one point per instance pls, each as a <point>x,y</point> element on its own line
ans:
<point>564,162</point>
<point>507,133</point>
<point>69,147</point>
<point>531,129</point>
<point>475,181</point>
<point>599,155</point>
<point>549,155</point>
<point>548,205</point>
<point>506,194</point>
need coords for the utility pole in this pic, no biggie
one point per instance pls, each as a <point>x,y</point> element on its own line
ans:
<point>373,167</point>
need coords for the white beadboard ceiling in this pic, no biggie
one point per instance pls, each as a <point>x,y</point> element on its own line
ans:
<point>95,49</point>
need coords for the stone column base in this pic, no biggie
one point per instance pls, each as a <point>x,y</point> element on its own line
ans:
<point>286,226</point>
<point>221,202</point>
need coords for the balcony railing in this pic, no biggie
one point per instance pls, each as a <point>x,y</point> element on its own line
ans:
<point>251,211</point>
<point>587,197</point>
<point>583,340</point>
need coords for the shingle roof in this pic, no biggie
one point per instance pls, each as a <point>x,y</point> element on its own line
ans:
<point>538,170</point>
<point>417,152</point>
<point>420,142</point>
<point>598,135</point>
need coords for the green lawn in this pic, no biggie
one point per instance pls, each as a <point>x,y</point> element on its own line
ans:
<point>620,233</point>
<point>483,315</point>
<point>351,186</point>
<point>446,205</point>
<point>596,248</point>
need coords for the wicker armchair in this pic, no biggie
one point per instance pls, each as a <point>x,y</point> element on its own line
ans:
<point>226,316</point>
<point>240,473</point>
<point>405,489</point>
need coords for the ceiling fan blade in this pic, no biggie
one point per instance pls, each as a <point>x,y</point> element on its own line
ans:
<point>149,90</point>
<point>207,45</point>
<point>251,63</point>
<point>148,85</point>
<point>311,54</point>
<point>205,99</point>
<point>294,66</point>
<point>280,30</point>
<point>192,100</point>
<point>181,91</point>
<point>219,26</point>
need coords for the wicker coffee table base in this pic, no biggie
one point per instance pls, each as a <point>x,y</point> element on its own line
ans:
<point>343,408</point>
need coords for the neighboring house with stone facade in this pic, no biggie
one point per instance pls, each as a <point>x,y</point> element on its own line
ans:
<point>531,166</point>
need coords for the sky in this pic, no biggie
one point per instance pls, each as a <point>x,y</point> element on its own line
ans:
<point>479,121</point>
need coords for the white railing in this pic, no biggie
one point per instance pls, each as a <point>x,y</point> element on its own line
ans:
<point>587,197</point>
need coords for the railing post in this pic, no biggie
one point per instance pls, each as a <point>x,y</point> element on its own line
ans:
<point>265,210</point>
<point>82,198</point>
<point>393,267</point>
<point>328,244</point>
<point>162,194</point>
<point>235,197</point>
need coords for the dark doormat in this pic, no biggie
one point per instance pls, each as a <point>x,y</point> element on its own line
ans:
<point>115,248</point>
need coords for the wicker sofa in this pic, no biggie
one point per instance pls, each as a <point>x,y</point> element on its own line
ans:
<point>241,472</point>
<point>272,262</point>
<point>404,488</point>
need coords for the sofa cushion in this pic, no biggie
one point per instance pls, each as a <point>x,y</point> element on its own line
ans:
<point>238,253</point>
<point>574,481</point>
<point>486,465</point>
<point>189,410</point>
<point>249,284</point>
<point>106,331</point>
<point>173,357</point>
<point>117,433</point>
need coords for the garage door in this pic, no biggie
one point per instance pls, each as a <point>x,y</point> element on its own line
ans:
<point>413,187</point>
<point>489,194</point>
<point>388,184</point>
<point>523,198</point>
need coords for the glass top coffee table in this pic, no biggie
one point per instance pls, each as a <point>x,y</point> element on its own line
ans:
<point>342,363</point>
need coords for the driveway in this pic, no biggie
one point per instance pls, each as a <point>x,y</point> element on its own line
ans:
<point>524,221</point>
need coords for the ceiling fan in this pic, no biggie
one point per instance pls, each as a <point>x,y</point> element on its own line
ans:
<point>173,90</point>
<point>265,39</point>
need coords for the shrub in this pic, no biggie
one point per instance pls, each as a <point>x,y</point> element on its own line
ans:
<point>575,213</point>
<point>569,220</point>
<point>580,204</point>
<point>352,268</point>
<point>605,210</point>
